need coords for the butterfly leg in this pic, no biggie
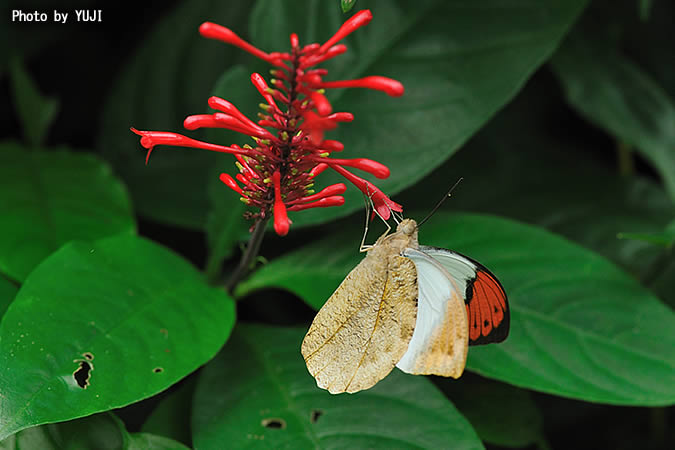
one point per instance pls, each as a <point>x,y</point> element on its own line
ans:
<point>370,209</point>
<point>364,247</point>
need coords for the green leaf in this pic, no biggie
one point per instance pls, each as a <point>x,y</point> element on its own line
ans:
<point>136,314</point>
<point>580,327</point>
<point>171,417</point>
<point>36,112</point>
<point>169,77</point>
<point>50,198</point>
<point>347,5</point>
<point>147,441</point>
<point>446,55</point>
<point>7,293</point>
<point>615,94</point>
<point>260,378</point>
<point>100,431</point>
<point>500,414</point>
<point>589,203</point>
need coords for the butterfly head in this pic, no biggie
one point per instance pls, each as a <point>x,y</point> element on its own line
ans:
<point>407,227</point>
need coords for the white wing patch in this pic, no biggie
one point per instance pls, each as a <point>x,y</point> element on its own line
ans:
<point>458,266</point>
<point>439,343</point>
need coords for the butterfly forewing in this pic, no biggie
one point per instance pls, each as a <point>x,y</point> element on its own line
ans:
<point>486,304</point>
<point>439,343</point>
<point>365,326</point>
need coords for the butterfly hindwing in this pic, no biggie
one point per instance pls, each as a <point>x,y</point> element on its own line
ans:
<point>439,343</point>
<point>486,304</point>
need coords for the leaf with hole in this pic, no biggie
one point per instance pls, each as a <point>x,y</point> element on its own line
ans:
<point>258,392</point>
<point>93,323</point>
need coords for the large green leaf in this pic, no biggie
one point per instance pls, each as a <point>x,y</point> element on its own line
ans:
<point>169,77</point>
<point>100,432</point>
<point>580,327</point>
<point>7,293</point>
<point>35,110</point>
<point>50,198</point>
<point>138,316</point>
<point>445,53</point>
<point>614,93</point>
<point>147,441</point>
<point>257,393</point>
<point>525,166</point>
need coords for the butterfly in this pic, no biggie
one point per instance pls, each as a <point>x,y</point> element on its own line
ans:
<point>414,307</point>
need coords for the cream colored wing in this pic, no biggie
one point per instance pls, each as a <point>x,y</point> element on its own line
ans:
<point>441,339</point>
<point>365,326</point>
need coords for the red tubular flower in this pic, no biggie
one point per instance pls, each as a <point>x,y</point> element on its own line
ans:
<point>277,174</point>
<point>281,222</point>
<point>387,85</point>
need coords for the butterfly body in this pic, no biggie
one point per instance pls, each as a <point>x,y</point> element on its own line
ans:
<point>405,305</point>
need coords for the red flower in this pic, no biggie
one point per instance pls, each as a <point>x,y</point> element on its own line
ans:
<point>278,173</point>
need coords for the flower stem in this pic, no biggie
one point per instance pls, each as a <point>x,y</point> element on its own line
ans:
<point>249,255</point>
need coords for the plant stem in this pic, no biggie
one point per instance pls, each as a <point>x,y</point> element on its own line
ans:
<point>249,255</point>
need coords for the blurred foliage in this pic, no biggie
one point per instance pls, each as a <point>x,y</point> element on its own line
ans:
<point>559,116</point>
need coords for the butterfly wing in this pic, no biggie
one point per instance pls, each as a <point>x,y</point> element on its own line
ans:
<point>440,341</point>
<point>365,326</point>
<point>486,304</point>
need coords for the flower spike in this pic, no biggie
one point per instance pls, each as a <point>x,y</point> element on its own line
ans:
<point>277,172</point>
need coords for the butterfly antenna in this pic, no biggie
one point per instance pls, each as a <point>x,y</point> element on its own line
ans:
<point>438,205</point>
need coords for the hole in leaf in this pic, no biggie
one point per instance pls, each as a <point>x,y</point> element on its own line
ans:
<point>314,416</point>
<point>89,356</point>
<point>83,374</point>
<point>274,422</point>
<point>158,370</point>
